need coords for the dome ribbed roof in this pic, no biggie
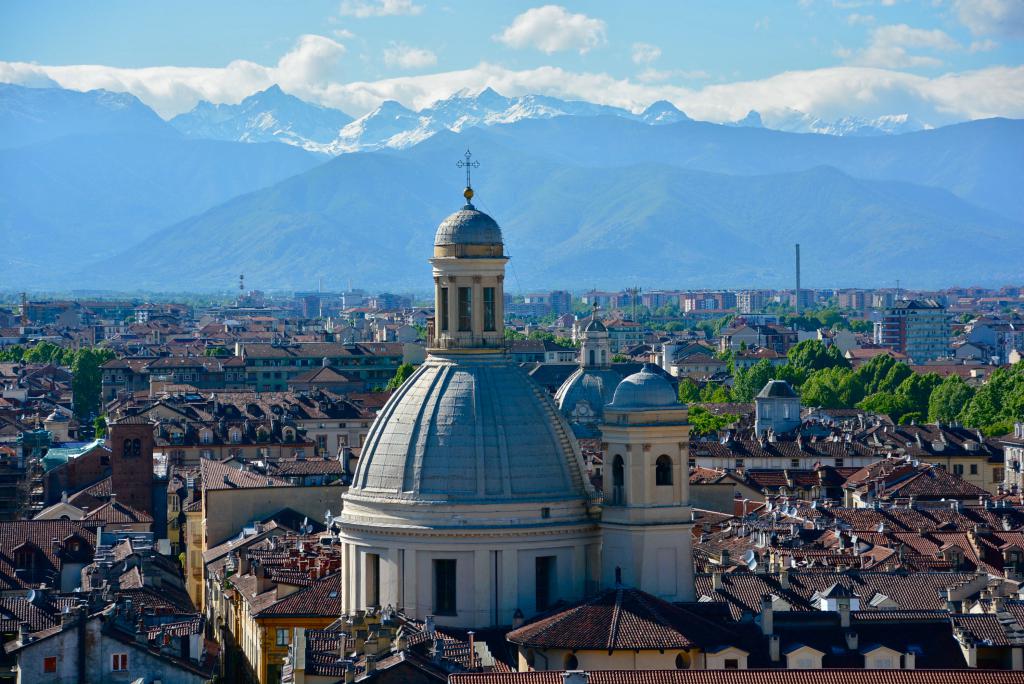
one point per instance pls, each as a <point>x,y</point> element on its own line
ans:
<point>596,386</point>
<point>469,430</point>
<point>595,325</point>
<point>468,226</point>
<point>646,389</point>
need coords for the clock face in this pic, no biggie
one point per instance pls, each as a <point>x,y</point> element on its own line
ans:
<point>582,409</point>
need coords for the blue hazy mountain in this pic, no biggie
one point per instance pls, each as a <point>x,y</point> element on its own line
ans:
<point>31,115</point>
<point>82,175</point>
<point>270,115</point>
<point>91,180</point>
<point>979,161</point>
<point>371,217</point>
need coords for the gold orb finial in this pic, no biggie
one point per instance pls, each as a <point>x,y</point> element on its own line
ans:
<point>468,193</point>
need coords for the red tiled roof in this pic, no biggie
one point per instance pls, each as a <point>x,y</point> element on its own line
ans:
<point>616,619</point>
<point>322,598</point>
<point>37,536</point>
<point>216,475</point>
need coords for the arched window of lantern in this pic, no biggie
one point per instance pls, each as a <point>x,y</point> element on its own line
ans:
<point>663,471</point>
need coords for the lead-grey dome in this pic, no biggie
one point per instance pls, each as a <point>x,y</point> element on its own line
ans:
<point>595,386</point>
<point>595,325</point>
<point>468,226</point>
<point>645,389</point>
<point>470,429</point>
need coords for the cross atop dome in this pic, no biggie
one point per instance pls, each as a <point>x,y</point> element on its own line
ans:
<point>468,164</point>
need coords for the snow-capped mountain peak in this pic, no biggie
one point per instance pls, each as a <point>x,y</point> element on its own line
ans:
<point>663,112</point>
<point>265,116</point>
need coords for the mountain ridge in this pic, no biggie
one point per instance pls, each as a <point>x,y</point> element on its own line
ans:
<point>656,225</point>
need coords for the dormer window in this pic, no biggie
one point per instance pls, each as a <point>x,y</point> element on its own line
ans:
<point>235,435</point>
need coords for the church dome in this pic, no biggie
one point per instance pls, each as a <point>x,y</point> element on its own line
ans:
<point>645,389</point>
<point>587,389</point>
<point>595,325</point>
<point>470,429</point>
<point>468,226</point>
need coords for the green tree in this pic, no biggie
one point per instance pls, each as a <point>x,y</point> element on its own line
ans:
<point>747,382</point>
<point>947,401</point>
<point>12,354</point>
<point>827,388</point>
<point>812,355</point>
<point>44,352</point>
<point>87,378</point>
<point>689,392</point>
<point>513,335</point>
<point>891,404</point>
<point>895,377</point>
<point>998,403</point>
<point>714,394</point>
<point>99,427</point>
<point>400,376</point>
<point>703,422</point>
<point>216,351</point>
<point>917,390</point>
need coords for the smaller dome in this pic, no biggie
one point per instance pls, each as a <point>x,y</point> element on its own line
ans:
<point>56,417</point>
<point>595,325</point>
<point>468,226</point>
<point>646,389</point>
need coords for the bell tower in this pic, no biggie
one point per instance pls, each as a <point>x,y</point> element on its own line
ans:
<point>646,518</point>
<point>469,277</point>
<point>131,462</point>
<point>595,344</point>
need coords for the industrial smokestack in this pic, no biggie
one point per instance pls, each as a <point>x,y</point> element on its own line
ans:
<point>797,279</point>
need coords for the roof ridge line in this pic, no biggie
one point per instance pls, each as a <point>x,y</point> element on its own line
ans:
<point>613,626</point>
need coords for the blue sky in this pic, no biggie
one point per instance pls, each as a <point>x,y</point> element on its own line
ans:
<point>940,61</point>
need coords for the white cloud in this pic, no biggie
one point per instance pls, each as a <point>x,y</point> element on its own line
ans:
<point>362,9</point>
<point>988,17</point>
<point>645,53</point>
<point>651,75</point>
<point>343,33</point>
<point>889,47</point>
<point>408,57</point>
<point>312,70</point>
<point>305,71</point>
<point>552,28</point>
<point>985,45</point>
<point>855,19</point>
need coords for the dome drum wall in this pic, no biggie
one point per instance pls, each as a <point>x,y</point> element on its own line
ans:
<point>495,571</point>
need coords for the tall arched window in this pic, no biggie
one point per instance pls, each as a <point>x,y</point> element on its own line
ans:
<point>618,480</point>
<point>663,471</point>
<point>572,662</point>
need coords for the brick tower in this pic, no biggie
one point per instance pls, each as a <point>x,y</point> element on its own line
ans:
<point>131,462</point>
